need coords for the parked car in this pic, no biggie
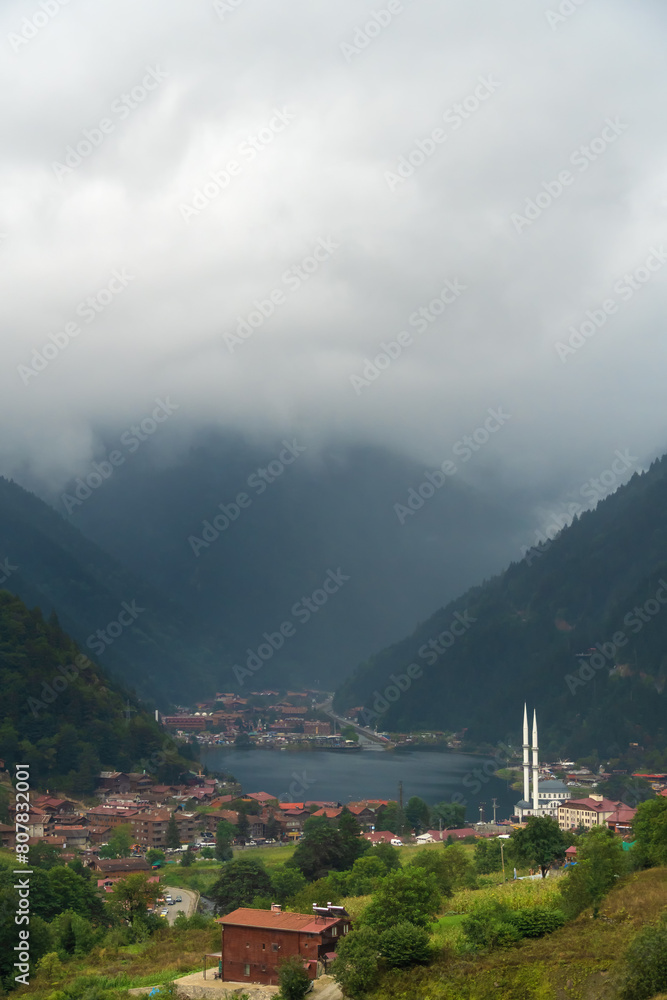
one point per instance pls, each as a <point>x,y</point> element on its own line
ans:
<point>179,899</point>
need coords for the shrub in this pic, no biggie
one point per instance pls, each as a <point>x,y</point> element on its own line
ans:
<point>50,966</point>
<point>646,963</point>
<point>356,967</point>
<point>535,921</point>
<point>405,944</point>
<point>490,925</point>
<point>293,978</point>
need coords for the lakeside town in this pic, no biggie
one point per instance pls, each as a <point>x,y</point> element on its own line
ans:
<point>198,803</point>
<point>249,869</point>
<point>300,720</point>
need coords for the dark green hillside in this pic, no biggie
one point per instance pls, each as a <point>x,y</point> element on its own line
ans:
<point>529,625</point>
<point>62,715</point>
<point>49,563</point>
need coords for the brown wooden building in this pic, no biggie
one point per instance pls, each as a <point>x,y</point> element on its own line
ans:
<point>254,942</point>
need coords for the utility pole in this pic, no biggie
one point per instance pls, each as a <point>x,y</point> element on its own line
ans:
<point>400,795</point>
<point>502,858</point>
<point>481,811</point>
<point>495,806</point>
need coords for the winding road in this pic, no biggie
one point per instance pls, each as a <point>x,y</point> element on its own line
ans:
<point>188,906</point>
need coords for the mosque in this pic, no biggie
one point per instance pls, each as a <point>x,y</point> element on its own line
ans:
<point>546,795</point>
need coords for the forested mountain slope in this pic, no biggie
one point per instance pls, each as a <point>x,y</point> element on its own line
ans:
<point>63,716</point>
<point>150,646</point>
<point>602,582</point>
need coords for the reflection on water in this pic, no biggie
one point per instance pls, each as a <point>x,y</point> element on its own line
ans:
<point>433,776</point>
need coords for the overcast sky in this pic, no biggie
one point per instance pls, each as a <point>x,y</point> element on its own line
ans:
<point>115,114</point>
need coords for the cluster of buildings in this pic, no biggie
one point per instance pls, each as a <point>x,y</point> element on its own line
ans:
<point>285,820</point>
<point>263,714</point>
<point>552,797</point>
<point>131,799</point>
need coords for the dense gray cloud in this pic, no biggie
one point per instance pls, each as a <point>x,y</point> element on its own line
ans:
<point>495,99</point>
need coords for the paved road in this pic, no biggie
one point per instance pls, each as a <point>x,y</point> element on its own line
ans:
<point>370,734</point>
<point>187,906</point>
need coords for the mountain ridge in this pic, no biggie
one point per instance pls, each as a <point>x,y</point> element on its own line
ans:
<point>536,624</point>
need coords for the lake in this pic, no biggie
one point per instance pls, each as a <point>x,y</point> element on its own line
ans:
<point>433,775</point>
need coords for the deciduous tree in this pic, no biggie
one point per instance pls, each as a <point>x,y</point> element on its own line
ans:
<point>409,894</point>
<point>131,895</point>
<point>239,882</point>
<point>650,829</point>
<point>539,843</point>
<point>356,965</point>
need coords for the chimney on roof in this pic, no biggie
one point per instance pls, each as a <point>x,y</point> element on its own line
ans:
<point>276,908</point>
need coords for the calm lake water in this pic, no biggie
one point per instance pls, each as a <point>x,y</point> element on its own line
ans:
<point>435,776</point>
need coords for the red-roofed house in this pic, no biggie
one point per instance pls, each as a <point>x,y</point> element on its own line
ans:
<point>363,815</point>
<point>221,800</point>
<point>201,795</point>
<point>253,942</point>
<point>213,818</point>
<point>329,813</point>
<point>75,836</point>
<point>111,815</point>
<point>458,834</point>
<point>381,837</point>
<point>593,811</point>
<point>373,803</point>
<point>53,806</point>
<point>621,819</point>
<point>292,819</point>
<point>262,797</point>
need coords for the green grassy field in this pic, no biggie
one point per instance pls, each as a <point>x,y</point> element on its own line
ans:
<point>275,854</point>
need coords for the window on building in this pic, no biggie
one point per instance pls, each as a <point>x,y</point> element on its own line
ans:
<point>246,970</point>
<point>275,946</point>
<point>334,931</point>
<point>263,947</point>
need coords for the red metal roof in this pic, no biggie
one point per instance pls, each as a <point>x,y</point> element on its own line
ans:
<point>264,919</point>
<point>595,805</point>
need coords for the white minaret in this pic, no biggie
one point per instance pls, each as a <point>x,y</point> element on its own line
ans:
<point>536,800</point>
<point>526,757</point>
